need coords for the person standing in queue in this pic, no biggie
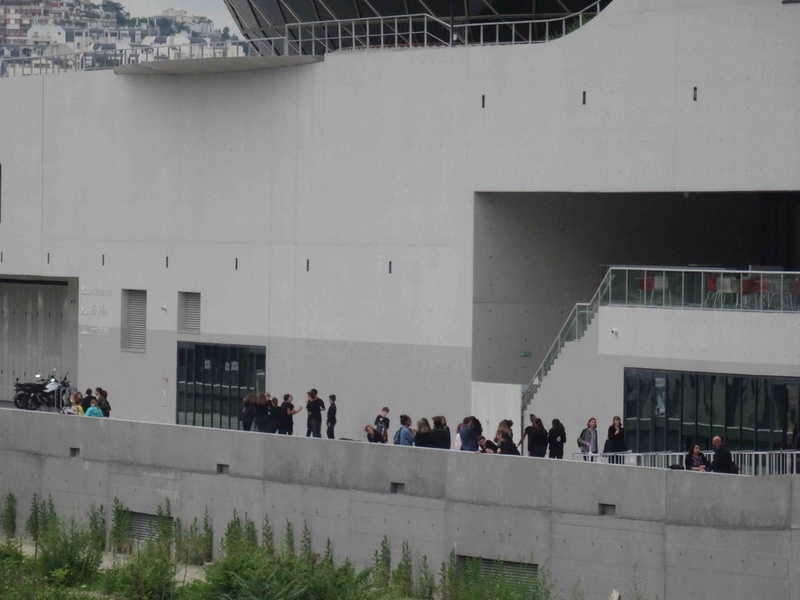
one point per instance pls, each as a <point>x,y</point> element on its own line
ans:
<point>616,440</point>
<point>286,418</point>
<point>382,425</point>
<point>330,422</point>
<point>314,406</point>
<point>587,441</point>
<point>556,438</point>
<point>723,461</point>
<point>248,412</point>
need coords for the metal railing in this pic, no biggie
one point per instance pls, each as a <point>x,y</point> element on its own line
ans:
<point>703,288</point>
<point>665,287</point>
<point>523,32</point>
<point>575,326</point>
<point>318,38</point>
<point>776,462</point>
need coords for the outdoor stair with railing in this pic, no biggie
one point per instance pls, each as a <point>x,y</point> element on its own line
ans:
<point>670,288</point>
<point>573,330</point>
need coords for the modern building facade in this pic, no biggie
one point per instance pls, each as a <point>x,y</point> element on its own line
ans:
<point>407,227</point>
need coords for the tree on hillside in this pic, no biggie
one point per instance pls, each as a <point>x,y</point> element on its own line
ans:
<point>119,10</point>
<point>166,26</point>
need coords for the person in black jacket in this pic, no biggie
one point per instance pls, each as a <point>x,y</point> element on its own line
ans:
<point>616,440</point>
<point>331,420</point>
<point>441,433</point>
<point>506,445</point>
<point>261,411</point>
<point>423,436</point>
<point>723,461</point>
<point>556,438</point>
<point>314,406</point>
<point>248,411</point>
<point>695,459</point>
<point>273,416</point>
<point>537,438</point>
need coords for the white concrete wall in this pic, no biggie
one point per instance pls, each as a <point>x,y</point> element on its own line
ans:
<point>581,384</point>
<point>680,534</point>
<point>365,158</point>
<point>495,402</point>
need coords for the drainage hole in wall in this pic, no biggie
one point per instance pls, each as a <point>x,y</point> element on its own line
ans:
<point>608,510</point>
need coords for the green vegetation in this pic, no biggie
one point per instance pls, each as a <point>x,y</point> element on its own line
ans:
<point>66,564</point>
<point>121,528</point>
<point>9,518</point>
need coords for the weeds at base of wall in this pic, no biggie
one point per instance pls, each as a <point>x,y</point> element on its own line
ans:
<point>9,518</point>
<point>121,535</point>
<point>68,555</point>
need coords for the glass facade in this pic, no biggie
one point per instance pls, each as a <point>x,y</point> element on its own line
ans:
<point>668,410</point>
<point>213,379</point>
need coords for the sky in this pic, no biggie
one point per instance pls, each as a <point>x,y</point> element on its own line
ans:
<point>213,9</point>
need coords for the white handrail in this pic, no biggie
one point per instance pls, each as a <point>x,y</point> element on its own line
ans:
<point>750,462</point>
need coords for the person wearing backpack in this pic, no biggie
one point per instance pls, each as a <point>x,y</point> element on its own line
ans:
<point>404,436</point>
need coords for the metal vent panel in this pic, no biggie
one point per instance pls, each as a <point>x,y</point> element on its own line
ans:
<point>135,328</point>
<point>189,312</point>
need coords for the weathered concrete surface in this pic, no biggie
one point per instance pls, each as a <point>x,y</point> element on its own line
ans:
<point>680,535</point>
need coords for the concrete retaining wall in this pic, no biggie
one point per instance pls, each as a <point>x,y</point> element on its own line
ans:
<point>681,535</point>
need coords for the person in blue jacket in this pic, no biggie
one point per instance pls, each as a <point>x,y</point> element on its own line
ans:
<point>93,410</point>
<point>404,435</point>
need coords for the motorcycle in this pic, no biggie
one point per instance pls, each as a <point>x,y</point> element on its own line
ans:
<point>48,392</point>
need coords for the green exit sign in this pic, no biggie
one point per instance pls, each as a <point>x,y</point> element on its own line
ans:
<point>526,355</point>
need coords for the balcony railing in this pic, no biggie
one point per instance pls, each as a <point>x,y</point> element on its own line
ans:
<point>777,462</point>
<point>319,38</point>
<point>703,288</point>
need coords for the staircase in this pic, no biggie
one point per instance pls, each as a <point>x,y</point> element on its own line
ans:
<point>573,330</point>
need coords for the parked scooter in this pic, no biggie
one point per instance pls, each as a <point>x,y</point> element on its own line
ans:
<point>50,392</point>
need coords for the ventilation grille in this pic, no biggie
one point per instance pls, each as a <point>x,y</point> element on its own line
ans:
<point>189,312</point>
<point>145,526</point>
<point>134,330</point>
<point>524,577</point>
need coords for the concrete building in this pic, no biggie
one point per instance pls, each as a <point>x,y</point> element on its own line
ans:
<point>405,227</point>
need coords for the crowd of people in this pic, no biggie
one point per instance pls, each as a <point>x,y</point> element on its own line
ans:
<point>469,438</point>
<point>469,435</point>
<point>89,405</point>
<point>268,415</point>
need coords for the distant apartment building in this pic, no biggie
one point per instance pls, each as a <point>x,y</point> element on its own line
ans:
<point>17,17</point>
